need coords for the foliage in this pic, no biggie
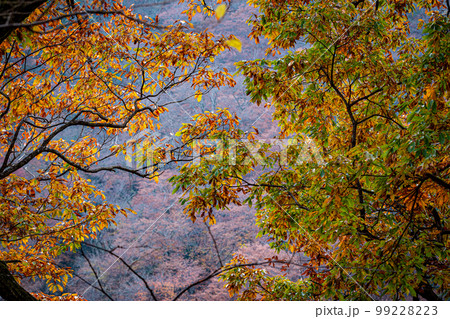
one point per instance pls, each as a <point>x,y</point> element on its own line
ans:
<point>373,217</point>
<point>70,86</point>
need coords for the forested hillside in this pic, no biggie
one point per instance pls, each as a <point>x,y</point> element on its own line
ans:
<point>332,181</point>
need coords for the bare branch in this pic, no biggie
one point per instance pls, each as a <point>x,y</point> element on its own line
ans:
<point>126,265</point>
<point>95,274</point>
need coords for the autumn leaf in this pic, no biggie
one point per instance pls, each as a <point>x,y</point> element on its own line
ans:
<point>235,43</point>
<point>198,96</point>
<point>220,11</point>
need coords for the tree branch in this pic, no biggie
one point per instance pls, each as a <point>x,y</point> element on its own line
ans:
<point>215,244</point>
<point>95,274</point>
<point>438,181</point>
<point>126,265</point>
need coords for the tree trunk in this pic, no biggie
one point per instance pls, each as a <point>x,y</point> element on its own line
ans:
<point>9,288</point>
<point>13,12</point>
<point>426,291</point>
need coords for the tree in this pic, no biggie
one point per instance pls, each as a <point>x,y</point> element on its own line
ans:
<point>13,13</point>
<point>72,83</point>
<point>373,215</point>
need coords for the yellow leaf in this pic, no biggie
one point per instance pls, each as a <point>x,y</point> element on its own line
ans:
<point>220,11</point>
<point>326,202</point>
<point>198,96</point>
<point>235,43</point>
<point>429,94</point>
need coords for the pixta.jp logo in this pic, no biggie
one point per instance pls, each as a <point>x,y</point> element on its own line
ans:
<point>148,149</point>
